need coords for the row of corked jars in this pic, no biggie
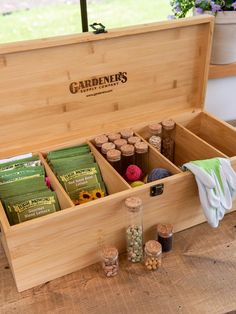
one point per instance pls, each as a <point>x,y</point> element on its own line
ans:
<point>150,254</point>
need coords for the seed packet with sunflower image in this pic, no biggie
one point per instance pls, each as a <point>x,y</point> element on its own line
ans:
<point>30,206</point>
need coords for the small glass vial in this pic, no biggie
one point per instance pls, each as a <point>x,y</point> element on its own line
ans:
<point>113,137</point>
<point>99,140</point>
<point>168,143</point>
<point>133,140</point>
<point>128,156</point>
<point>106,147</point>
<point>165,236</point>
<point>126,133</point>
<point>119,143</point>
<point>141,156</point>
<point>114,158</point>
<point>110,262</point>
<point>134,231</point>
<point>152,255</point>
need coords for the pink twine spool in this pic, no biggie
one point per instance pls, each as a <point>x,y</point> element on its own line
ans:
<point>133,173</point>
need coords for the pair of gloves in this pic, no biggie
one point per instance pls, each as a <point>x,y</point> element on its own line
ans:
<point>216,182</point>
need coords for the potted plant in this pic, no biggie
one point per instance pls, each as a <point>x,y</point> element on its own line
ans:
<point>224,40</point>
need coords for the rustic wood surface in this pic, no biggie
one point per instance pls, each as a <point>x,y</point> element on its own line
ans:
<point>198,276</point>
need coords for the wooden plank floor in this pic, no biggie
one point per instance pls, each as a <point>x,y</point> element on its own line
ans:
<point>198,276</point>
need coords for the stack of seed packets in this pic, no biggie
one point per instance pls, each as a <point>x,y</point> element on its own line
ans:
<point>23,189</point>
<point>78,172</point>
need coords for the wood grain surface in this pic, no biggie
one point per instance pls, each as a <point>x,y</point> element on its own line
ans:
<point>198,276</point>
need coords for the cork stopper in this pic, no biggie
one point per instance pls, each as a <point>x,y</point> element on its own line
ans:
<point>165,230</point>
<point>110,253</point>
<point>113,155</point>
<point>126,133</point>
<point>114,136</point>
<point>133,140</point>
<point>155,140</point>
<point>99,140</point>
<point>106,147</point>
<point>141,148</point>
<point>120,142</point>
<point>134,204</point>
<point>168,124</point>
<point>155,128</point>
<point>127,150</point>
<point>153,247</point>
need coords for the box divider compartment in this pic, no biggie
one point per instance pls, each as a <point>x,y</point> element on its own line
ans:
<point>217,133</point>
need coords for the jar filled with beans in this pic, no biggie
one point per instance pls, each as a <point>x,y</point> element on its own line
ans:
<point>152,255</point>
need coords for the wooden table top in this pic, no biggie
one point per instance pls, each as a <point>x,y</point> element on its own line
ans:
<point>198,276</point>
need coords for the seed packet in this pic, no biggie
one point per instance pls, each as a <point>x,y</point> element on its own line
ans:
<point>68,152</point>
<point>27,162</point>
<point>20,173</point>
<point>86,179</point>
<point>30,206</point>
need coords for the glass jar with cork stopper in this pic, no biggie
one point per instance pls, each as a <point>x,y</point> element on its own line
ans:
<point>155,135</point>
<point>113,137</point>
<point>165,236</point>
<point>127,156</point>
<point>134,231</point>
<point>110,262</point>
<point>114,158</point>
<point>152,255</point>
<point>133,140</point>
<point>126,133</point>
<point>168,142</point>
<point>120,142</point>
<point>99,141</point>
<point>141,156</point>
<point>106,147</point>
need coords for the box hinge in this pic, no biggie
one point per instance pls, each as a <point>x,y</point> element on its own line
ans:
<point>99,28</point>
<point>157,189</point>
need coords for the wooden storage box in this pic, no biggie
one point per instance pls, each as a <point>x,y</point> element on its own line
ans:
<point>64,91</point>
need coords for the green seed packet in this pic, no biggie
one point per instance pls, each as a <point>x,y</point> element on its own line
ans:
<point>21,187</point>
<point>59,165</point>
<point>20,173</point>
<point>30,206</point>
<point>68,152</point>
<point>86,179</point>
<point>27,162</point>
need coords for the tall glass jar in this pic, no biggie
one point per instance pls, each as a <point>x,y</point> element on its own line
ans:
<point>113,137</point>
<point>128,156</point>
<point>114,158</point>
<point>141,156</point>
<point>134,231</point>
<point>165,236</point>
<point>119,143</point>
<point>110,262</point>
<point>99,140</point>
<point>168,142</point>
<point>152,255</point>
<point>155,134</point>
<point>126,133</point>
<point>106,147</point>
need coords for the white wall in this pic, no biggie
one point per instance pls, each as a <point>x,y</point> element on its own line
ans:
<point>221,98</point>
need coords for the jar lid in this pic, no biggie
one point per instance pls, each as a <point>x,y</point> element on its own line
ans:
<point>99,140</point>
<point>134,139</point>
<point>127,150</point>
<point>134,204</point>
<point>155,140</point>
<point>107,146</point>
<point>141,147</point>
<point>114,136</point>
<point>168,124</point>
<point>120,142</point>
<point>153,247</point>
<point>165,230</point>
<point>113,155</point>
<point>155,128</point>
<point>126,133</point>
<point>110,252</point>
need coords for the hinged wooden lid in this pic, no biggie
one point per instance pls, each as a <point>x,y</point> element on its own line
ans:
<point>55,88</point>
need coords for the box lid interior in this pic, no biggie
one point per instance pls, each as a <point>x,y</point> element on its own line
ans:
<point>80,85</point>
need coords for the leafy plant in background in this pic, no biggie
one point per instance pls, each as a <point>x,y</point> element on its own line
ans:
<point>181,7</point>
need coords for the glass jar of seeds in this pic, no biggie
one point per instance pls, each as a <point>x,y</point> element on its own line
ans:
<point>134,231</point>
<point>165,236</point>
<point>168,142</point>
<point>99,140</point>
<point>110,262</point>
<point>126,133</point>
<point>114,158</point>
<point>141,156</point>
<point>152,255</point>
<point>113,137</point>
<point>119,143</point>
<point>127,156</point>
<point>155,134</point>
<point>106,147</point>
<point>133,140</point>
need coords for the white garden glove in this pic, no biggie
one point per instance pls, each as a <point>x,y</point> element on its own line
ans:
<point>216,187</point>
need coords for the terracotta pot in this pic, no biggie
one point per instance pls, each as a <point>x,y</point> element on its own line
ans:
<point>224,39</point>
